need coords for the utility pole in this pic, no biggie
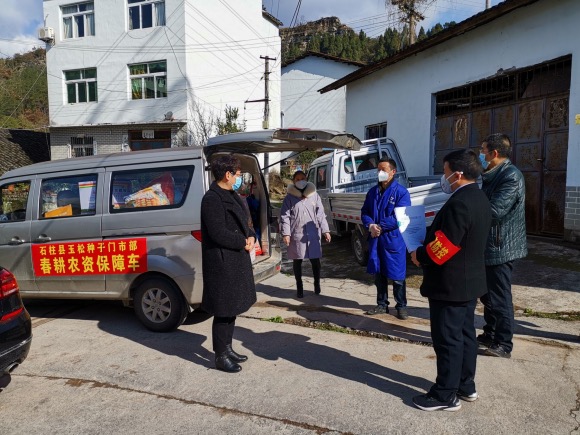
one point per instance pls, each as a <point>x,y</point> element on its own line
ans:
<point>266,101</point>
<point>487,4</point>
<point>411,15</point>
<point>266,122</point>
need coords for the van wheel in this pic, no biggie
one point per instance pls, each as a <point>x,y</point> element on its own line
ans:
<point>359,248</point>
<point>159,305</point>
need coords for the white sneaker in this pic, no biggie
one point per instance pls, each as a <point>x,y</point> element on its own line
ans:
<point>468,397</point>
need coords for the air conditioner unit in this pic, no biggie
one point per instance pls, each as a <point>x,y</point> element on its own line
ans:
<point>46,34</point>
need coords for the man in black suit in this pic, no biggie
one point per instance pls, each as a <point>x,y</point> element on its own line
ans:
<point>452,257</point>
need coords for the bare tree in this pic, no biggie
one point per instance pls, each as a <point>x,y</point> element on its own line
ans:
<point>202,123</point>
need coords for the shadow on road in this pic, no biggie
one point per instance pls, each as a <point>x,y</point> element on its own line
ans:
<point>298,349</point>
<point>117,320</point>
<point>182,344</point>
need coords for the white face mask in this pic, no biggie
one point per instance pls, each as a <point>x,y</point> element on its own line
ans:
<point>301,184</point>
<point>383,176</point>
<point>445,185</point>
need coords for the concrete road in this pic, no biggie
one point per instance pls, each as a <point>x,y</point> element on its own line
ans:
<point>327,368</point>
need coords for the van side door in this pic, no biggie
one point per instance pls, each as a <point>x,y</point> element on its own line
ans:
<point>68,256</point>
<point>16,200</point>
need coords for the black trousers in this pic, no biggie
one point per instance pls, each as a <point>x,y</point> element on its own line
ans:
<point>498,305</point>
<point>222,332</point>
<point>316,267</point>
<point>453,334</point>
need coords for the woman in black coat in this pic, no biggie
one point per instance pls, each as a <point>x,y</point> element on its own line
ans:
<point>228,280</point>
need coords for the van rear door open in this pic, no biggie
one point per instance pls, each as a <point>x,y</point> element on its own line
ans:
<point>296,140</point>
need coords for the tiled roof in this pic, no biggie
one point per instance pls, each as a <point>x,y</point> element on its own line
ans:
<point>323,56</point>
<point>22,147</point>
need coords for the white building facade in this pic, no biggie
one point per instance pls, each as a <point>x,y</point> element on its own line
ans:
<point>302,105</point>
<point>141,74</point>
<point>512,69</point>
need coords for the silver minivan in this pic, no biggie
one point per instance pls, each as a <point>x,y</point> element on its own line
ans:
<point>127,226</point>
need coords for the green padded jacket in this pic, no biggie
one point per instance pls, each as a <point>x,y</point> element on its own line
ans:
<point>505,188</point>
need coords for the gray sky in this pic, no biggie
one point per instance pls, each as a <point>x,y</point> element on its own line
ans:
<point>20,19</point>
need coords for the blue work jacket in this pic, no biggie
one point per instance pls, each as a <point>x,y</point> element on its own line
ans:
<point>387,253</point>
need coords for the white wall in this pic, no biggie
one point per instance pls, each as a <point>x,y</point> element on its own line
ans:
<point>402,94</point>
<point>303,105</point>
<point>203,59</point>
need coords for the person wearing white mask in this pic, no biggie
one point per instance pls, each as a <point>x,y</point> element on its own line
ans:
<point>452,258</point>
<point>387,249</point>
<point>303,222</point>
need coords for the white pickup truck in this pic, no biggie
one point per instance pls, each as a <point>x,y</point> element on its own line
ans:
<point>342,179</point>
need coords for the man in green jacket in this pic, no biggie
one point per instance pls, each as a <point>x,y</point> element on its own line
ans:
<point>504,186</point>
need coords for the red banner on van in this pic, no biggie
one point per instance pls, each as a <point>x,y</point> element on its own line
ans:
<point>90,258</point>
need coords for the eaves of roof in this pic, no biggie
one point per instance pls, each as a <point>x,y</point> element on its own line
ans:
<point>175,122</point>
<point>323,56</point>
<point>465,26</point>
<point>272,19</point>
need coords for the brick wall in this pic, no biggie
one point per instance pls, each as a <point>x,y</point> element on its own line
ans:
<point>109,139</point>
<point>572,214</point>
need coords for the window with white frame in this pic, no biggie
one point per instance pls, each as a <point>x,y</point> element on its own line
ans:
<point>376,131</point>
<point>81,85</point>
<point>146,13</point>
<point>78,20</point>
<point>148,80</point>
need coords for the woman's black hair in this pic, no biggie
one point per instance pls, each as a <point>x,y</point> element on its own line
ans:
<point>298,173</point>
<point>223,164</point>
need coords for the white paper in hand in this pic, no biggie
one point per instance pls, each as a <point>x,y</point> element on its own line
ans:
<point>411,221</point>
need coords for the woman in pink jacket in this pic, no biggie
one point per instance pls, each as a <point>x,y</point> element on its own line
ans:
<point>303,223</point>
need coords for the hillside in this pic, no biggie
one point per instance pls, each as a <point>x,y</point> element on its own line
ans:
<point>330,36</point>
<point>24,91</point>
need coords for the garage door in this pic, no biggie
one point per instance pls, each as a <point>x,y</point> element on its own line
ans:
<point>531,107</point>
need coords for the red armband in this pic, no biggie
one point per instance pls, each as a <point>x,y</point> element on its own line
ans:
<point>441,249</point>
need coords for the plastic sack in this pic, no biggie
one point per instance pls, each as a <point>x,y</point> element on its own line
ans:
<point>151,196</point>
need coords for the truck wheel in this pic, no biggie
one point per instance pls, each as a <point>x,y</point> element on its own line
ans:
<point>159,305</point>
<point>359,248</point>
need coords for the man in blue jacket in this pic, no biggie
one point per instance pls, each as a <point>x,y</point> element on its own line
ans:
<point>505,188</point>
<point>387,251</point>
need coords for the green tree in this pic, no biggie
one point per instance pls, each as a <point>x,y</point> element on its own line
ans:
<point>422,35</point>
<point>305,158</point>
<point>314,43</point>
<point>230,124</point>
<point>434,30</point>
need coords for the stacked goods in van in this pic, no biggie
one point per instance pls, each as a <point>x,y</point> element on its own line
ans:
<point>151,196</point>
<point>166,184</point>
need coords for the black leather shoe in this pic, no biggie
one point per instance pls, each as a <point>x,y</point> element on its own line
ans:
<point>317,288</point>
<point>224,363</point>
<point>234,356</point>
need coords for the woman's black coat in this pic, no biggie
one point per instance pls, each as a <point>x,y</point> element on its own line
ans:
<point>228,279</point>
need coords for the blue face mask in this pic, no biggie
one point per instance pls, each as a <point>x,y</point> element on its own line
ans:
<point>484,162</point>
<point>238,183</point>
